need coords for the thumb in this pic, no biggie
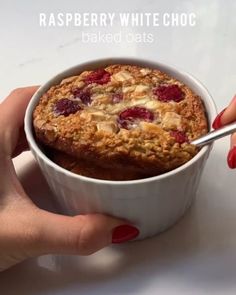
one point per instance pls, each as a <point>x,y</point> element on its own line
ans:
<point>82,234</point>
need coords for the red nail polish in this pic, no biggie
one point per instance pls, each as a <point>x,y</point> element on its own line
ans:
<point>217,122</point>
<point>231,159</point>
<point>124,233</point>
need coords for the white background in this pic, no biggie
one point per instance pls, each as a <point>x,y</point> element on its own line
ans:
<point>196,256</point>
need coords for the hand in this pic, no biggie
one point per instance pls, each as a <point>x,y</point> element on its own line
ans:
<point>228,115</point>
<point>28,231</point>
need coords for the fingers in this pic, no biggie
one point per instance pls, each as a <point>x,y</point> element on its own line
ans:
<point>233,140</point>
<point>12,111</point>
<point>27,231</point>
<point>13,108</point>
<point>20,148</point>
<point>231,158</point>
<point>83,234</point>
<point>22,144</point>
<point>228,115</point>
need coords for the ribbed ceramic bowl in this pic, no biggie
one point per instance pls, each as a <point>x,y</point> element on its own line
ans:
<point>152,204</point>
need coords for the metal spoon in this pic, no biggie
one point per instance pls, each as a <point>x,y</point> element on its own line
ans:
<point>215,134</point>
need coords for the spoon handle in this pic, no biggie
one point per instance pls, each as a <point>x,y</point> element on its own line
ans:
<point>215,134</point>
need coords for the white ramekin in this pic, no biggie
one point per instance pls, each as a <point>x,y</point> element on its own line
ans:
<point>152,204</point>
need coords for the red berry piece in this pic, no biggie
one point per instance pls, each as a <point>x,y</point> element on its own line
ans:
<point>169,93</point>
<point>66,107</point>
<point>83,95</point>
<point>117,97</point>
<point>99,76</point>
<point>179,136</point>
<point>130,117</point>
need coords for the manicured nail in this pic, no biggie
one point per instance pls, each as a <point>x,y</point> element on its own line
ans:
<point>217,122</point>
<point>124,233</point>
<point>231,159</point>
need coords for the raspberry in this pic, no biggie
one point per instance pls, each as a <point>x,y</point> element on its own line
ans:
<point>168,93</point>
<point>83,95</point>
<point>179,136</point>
<point>130,117</point>
<point>66,107</point>
<point>99,76</point>
<point>117,97</point>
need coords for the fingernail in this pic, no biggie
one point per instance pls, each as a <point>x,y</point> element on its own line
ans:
<point>231,159</point>
<point>217,122</point>
<point>124,233</point>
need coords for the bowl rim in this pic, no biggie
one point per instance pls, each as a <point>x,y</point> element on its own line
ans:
<point>91,64</point>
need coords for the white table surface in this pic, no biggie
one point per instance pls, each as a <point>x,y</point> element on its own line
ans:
<point>197,255</point>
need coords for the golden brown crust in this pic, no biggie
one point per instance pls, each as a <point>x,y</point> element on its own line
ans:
<point>89,169</point>
<point>94,133</point>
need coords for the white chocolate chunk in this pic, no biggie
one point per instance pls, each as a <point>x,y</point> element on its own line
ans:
<point>116,108</point>
<point>171,120</point>
<point>151,127</point>
<point>129,89</point>
<point>101,100</point>
<point>141,88</point>
<point>122,76</point>
<point>69,79</point>
<point>153,104</point>
<point>98,116</point>
<point>137,102</point>
<point>93,114</point>
<point>108,126</point>
<point>79,84</point>
<point>38,123</point>
<point>145,71</point>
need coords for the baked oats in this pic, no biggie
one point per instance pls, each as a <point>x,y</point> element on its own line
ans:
<point>121,118</point>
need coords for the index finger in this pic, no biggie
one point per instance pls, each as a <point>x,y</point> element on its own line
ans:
<point>229,114</point>
<point>12,109</point>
